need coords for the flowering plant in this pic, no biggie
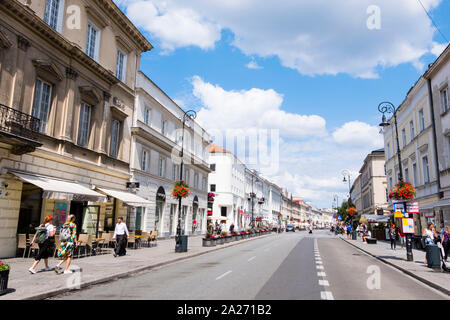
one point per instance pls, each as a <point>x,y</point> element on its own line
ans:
<point>224,234</point>
<point>3,267</point>
<point>351,211</point>
<point>211,197</point>
<point>402,191</point>
<point>181,190</point>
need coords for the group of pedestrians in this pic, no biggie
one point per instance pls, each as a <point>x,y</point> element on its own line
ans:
<point>45,238</point>
<point>430,237</point>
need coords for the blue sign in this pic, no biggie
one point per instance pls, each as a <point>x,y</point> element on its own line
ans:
<point>339,218</point>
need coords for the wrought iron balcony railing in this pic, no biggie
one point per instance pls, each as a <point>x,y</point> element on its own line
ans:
<point>18,123</point>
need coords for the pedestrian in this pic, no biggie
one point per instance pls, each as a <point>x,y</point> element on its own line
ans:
<point>349,231</point>
<point>402,237</point>
<point>67,236</point>
<point>393,236</point>
<point>232,228</point>
<point>445,241</point>
<point>42,237</point>
<point>121,235</point>
<point>429,234</point>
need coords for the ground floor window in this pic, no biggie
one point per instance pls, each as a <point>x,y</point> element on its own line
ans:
<point>173,209</point>
<point>30,209</point>
<point>158,215</point>
<point>90,222</point>
<point>139,214</point>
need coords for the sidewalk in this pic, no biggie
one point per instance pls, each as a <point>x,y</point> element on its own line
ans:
<point>101,268</point>
<point>435,278</point>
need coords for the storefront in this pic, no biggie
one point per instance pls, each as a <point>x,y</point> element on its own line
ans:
<point>195,220</point>
<point>160,206</point>
<point>42,196</point>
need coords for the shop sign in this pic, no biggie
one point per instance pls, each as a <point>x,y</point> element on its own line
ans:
<point>399,210</point>
<point>161,194</point>
<point>412,207</point>
<point>408,225</point>
<point>60,213</point>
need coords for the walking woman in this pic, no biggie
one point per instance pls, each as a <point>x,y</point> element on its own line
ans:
<point>67,236</point>
<point>429,234</point>
<point>393,236</point>
<point>47,230</point>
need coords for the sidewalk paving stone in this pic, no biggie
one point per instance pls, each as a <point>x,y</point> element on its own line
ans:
<point>436,278</point>
<point>99,268</point>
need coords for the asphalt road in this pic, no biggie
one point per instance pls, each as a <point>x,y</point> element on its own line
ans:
<point>290,266</point>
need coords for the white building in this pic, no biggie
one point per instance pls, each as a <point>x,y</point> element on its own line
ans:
<point>156,140</point>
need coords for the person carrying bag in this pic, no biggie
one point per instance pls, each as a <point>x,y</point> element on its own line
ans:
<point>42,237</point>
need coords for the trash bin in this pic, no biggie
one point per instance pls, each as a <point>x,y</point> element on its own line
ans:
<point>354,235</point>
<point>433,255</point>
<point>181,244</point>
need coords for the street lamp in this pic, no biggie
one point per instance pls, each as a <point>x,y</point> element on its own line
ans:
<point>190,114</point>
<point>387,107</point>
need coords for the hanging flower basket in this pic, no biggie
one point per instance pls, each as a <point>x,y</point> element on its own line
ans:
<point>351,211</point>
<point>211,197</point>
<point>181,190</point>
<point>402,191</point>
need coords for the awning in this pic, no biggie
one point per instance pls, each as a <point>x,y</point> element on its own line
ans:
<point>374,218</point>
<point>439,204</point>
<point>61,189</point>
<point>127,197</point>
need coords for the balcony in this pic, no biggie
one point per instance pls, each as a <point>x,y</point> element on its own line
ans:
<point>19,130</point>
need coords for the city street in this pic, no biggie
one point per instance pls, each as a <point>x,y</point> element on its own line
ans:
<point>291,266</point>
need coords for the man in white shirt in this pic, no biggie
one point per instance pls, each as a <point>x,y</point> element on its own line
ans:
<point>121,235</point>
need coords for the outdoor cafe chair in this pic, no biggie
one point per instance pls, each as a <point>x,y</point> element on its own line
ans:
<point>154,237</point>
<point>132,240</point>
<point>22,243</point>
<point>144,238</point>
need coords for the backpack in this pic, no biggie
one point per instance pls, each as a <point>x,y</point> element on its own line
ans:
<point>65,234</point>
<point>41,235</point>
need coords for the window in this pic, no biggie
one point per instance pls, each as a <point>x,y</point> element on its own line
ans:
<point>115,131</point>
<point>196,181</point>
<point>54,11</point>
<point>147,115</point>
<point>162,167</point>
<point>164,127</point>
<point>204,184</point>
<point>84,125</point>
<point>426,170</point>
<point>223,211</point>
<point>421,120</point>
<point>186,175</point>
<point>406,174</point>
<point>212,167</point>
<point>41,104</point>
<point>416,182</point>
<point>390,183</point>
<point>213,188</point>
<point>444,100</point>
<point>404,137</point>
<point>411,130</point>
<point>144,160</point>
<point>121,66</point>
<point>93,41</point>
<point>175,172</point>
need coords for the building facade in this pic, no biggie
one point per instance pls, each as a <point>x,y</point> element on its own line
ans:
<point>437,77</point>
<point>373,184</point>
<point>67,97</point>
<point>417,145</point>
<point>157,135</point>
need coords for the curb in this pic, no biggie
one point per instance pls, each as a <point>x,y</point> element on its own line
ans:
<point>129,273</point>
<point>409,273</point>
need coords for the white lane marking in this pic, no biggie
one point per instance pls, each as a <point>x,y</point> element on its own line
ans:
<point>319,267</point>
<point>321,274</point>
<point>225,274</point>
<point>251,258</point>
<point>326,295</point>
<point>319,262</point>
<point>324,283</point>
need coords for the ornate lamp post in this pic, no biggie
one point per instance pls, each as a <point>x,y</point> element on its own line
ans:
<point>190,114</point>
<point>387,107</point>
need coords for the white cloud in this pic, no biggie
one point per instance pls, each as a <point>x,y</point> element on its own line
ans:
<point>438,48</point>
<point>314,37</point>
<point>253,65</point>
<point>254,108</point>
<point>175,26</point>
<point>358,134</point>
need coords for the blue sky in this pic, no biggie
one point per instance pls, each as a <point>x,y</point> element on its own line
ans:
<point>314,58</point>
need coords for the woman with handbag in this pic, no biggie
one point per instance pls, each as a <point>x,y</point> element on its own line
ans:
<point>42,237</point>
<point>393,236</point>
<point>429,234</point>
<point>67,236</point>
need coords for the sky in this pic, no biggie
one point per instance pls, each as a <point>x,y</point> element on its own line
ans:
<point>308,74</point>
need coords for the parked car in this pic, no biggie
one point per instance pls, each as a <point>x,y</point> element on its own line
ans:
<point>290,227</point>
